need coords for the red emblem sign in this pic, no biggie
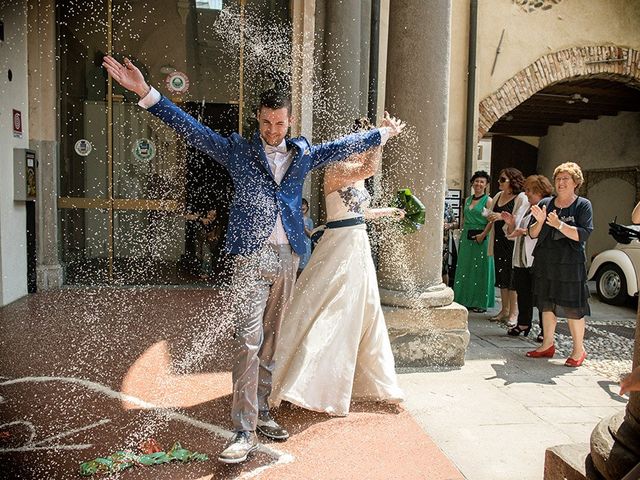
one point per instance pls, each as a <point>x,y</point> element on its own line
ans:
<point>17,123</point>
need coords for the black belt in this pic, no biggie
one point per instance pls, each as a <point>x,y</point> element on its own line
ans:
<point>347,222</point>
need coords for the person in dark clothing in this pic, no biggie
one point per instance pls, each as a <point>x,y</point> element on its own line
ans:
<point>562,226</point>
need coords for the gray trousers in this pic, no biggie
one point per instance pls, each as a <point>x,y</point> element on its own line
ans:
<point>262,286</point>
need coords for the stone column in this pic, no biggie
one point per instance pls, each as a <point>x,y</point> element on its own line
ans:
<point>342,58</point>
<point>425,326</point>
<point>615,442</point>
<point>338,101</point>
<point>340,91</point>
<point>302,73</point>
<point>43,139</point>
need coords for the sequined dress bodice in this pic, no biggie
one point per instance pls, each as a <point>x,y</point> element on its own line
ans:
<point>347,202</point>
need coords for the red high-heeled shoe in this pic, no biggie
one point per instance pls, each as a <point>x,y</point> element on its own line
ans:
<point>572,362</point>
<point>548,353</point>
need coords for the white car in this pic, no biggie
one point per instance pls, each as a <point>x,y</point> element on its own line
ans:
<point>617,271</point>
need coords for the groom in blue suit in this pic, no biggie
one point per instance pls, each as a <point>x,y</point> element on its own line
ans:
<point>265,233</point>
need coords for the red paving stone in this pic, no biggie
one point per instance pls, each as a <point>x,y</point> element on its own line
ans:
<point>86,372</point>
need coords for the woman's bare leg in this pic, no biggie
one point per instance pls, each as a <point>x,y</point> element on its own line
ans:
<point>576,327</point>
<point>549,322</point>
<point>504,302</point>
<point>513,306</point>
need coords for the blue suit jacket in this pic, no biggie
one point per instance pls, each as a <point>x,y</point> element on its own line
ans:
<point>258,198</point>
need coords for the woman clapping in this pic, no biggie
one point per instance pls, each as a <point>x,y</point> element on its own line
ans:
<point>562,225</point>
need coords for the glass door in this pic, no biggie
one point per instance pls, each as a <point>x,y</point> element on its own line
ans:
<point>131,191</point>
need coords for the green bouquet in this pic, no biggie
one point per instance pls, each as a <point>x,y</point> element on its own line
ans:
<point>123,460</point>
<point>413,208</point>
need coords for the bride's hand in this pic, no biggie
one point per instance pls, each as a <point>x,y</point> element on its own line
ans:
<point>397,213</point>
<point>395,125</point>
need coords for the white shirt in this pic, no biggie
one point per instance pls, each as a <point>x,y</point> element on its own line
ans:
<point>279,161</point>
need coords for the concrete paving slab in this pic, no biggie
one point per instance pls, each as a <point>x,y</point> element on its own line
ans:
<point>578,432</point>
<point>593,396</point>
<point>556,415</point>
<point>537,395</point>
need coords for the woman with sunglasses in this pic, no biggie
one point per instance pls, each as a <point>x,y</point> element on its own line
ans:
<point>536,187</point>
<point>510,196</point>
<point>562,226</point>
<point>473,286</point>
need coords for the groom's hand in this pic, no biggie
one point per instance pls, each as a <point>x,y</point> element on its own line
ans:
<point>127,75</point>
<point>394,125</point>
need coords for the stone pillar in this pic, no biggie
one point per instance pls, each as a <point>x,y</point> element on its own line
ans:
<point>338,102</point>
<point>43,137</point>
<point>302,73</point>
<point>615,442</point>
<point>340,90</point>
<point>426,327</point>
<point>342,58</point>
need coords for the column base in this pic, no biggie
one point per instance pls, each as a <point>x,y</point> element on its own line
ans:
<point>615,445</point>
<point>427,330</point>
<point>612,454</point>
<point>569,462</point>
<point>49,277</point>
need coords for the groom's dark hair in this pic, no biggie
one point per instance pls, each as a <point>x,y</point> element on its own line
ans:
<point>275,99</point>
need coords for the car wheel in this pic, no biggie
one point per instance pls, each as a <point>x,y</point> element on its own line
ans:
<point>611,284</point>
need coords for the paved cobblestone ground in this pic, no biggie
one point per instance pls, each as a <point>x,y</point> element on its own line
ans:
<point>609,337</point>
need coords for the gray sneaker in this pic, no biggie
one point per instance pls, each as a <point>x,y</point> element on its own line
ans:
<point>240,446</point>
<point>268,427</point>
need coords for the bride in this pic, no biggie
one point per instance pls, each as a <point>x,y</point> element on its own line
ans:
<point>333,344</point>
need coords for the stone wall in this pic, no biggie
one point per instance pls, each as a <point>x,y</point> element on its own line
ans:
<point>13,97</point>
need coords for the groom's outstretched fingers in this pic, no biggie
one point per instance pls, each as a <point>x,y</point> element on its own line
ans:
<point>127,75</point>
<point>395,125</point>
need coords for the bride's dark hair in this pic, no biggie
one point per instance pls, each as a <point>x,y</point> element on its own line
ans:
<point>361,124</point>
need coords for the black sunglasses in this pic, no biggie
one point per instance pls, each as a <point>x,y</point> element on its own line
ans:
<point>503,179</point>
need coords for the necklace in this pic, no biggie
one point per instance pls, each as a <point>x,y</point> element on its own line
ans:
<point>479,197</point>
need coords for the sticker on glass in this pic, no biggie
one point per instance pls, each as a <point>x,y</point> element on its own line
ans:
<point>17,123</point>
<point>177,82</point>
<point>144,149</point>
<point>83,147</point>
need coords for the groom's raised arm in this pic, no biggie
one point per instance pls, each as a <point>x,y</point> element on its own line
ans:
<point>356,142</point>
<point>344,147</point>
<point>196,134</point>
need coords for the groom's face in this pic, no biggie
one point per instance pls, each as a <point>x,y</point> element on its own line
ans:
<point>274,124</point>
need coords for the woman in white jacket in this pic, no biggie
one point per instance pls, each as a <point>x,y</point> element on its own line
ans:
<point>536,187</point>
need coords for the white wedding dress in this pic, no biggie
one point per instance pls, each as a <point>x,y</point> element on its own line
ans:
<point>333,344</point>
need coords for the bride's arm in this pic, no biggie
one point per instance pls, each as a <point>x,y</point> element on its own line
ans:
<point>373,213</point>
<point>357,167</point>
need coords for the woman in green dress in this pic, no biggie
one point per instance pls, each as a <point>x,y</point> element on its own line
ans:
<point>475,274</point>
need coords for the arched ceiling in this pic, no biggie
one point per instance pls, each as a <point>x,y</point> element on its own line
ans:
<point>568,102</point>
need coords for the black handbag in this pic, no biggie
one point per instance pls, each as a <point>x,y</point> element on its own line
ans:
<point>471,234</point>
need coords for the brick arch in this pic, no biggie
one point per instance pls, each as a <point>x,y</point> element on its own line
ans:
<point>569,64</point>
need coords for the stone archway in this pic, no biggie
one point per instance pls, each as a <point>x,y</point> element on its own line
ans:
<point>609,62</point>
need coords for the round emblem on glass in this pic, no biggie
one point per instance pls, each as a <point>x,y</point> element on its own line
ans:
<point>83,147</point>
<point>144,149</point>
<point>177,82</point>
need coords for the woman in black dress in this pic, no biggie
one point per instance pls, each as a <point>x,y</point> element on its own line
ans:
<point>511,184</point>
<point>562,225</point>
